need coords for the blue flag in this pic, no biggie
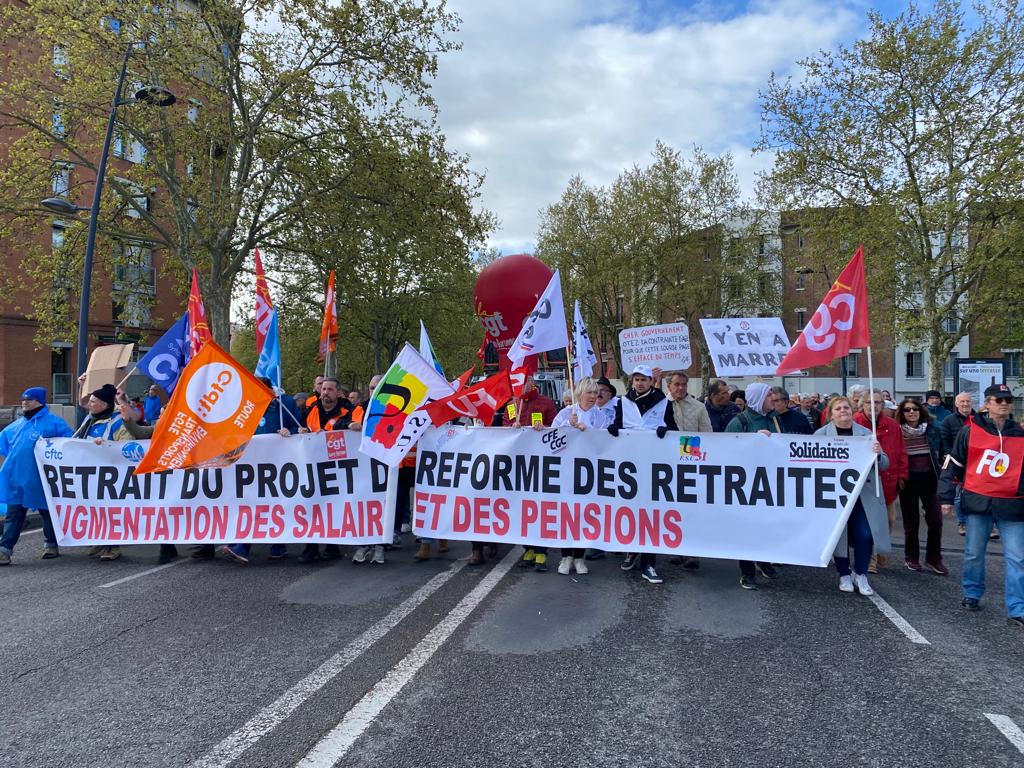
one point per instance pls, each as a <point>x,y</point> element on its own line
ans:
<point>427,349</point>
<point>269,364</point>
<point>166,360</point>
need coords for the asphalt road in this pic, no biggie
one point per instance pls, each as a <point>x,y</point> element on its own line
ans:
<point>439,664</point>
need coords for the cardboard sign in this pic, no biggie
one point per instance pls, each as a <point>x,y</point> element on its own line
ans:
<point>752,346</point>
<point>107,365</point>
<point>659,346</point>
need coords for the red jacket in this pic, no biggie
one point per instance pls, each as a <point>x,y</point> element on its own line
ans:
<point>890,437</point>
<point>533,402</point>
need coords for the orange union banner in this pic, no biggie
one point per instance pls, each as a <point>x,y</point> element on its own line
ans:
<point>211,416</point>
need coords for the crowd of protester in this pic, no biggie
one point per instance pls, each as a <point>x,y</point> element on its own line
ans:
<point>921,452</point>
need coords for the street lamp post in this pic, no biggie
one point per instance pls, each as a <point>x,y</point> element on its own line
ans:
<point>156,96</point>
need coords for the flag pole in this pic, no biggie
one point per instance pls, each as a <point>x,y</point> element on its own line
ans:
<point>122,381</point>
<point>874,426</point>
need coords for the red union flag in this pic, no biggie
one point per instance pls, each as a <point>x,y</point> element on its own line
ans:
<point>478,402</point>
<point>199,329</point>
<point>329,329</point>
<point>839,325</point>
<point>519,373</point>
<point>264,306</point>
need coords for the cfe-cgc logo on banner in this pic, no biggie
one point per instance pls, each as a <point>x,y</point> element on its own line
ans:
<point>817,452</point>
<point>335,445</point>
<point>996,461</point>
<point>214,393</point>
<point>133,451</point>
<point>690,450</point>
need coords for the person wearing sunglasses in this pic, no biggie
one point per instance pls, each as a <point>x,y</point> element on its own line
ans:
<point>923,444</point>
<point>986,460</point>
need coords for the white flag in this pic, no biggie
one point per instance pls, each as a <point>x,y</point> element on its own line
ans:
<point>427,349</point>
<point>545,328</point>
<point>584,359</point>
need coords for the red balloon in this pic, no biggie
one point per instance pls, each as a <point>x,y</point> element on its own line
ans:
<point>505,294</point>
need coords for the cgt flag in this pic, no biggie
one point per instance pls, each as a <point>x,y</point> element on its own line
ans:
<point>211,416</point>
<point>264,306</point>
<point>329,329</point>
<point>168,357</point>
<point>389,431</point>
<point>478,402</point>
<point>199,329</point>
<point>544,329</point>
<point>839,325</point>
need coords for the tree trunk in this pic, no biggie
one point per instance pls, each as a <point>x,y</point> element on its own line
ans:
<point>936,361</point>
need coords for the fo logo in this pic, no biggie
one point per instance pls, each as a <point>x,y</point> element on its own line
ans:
<point>214,393</point>
<point>133,451</point>
<point>336,445</point>
<point>996,461</point>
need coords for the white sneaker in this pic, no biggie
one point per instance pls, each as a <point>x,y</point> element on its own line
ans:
<point>360,555</point>
<point>378,554</point>
<point>581,566</point>
<point>846,583</point>
<point>565,565</point>
<point>861,580</point>
<point>406,528</point>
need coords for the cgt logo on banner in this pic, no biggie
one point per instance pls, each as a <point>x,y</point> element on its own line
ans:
<point>280,490</point>
<point>735,497</point>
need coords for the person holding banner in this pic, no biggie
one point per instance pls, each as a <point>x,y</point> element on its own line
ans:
<point>584,415</point>
<point>986,460</point>
<point>21,488</point>
<point>721,410</point>
<point>689,414</point>
<point>607,398</point>
<point>890,437</point>
<point>643,407</point>
<point>868,526</point>
<point>101,421</point>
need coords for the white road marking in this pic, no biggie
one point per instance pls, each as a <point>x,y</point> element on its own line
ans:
<point>1009,729</point>
<point>901,624</point>
<point>275,713</point>
<point>140,574</point>
<point>29,533</point>
<point>332,747</point>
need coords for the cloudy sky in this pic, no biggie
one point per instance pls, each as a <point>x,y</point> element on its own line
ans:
<point>546,89</point>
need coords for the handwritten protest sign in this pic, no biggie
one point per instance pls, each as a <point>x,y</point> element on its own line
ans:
<point>752,346</point>
<point>659,346</point>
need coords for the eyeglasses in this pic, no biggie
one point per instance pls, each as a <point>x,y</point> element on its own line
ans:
<point>1003,400</point>
<point>911,410</point>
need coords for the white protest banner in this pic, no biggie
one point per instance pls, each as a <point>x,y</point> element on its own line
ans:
<point>750,346</point>
<point>304,488</point>
<point>659,346</point>
<point>779,498</point>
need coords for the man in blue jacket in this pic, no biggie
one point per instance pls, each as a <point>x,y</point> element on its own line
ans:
<point>20,486</point>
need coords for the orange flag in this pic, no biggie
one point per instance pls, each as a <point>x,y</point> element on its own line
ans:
<point>329,329</point>
<point>264,305</point>
<point>199,330</point>
<point>212,415</point>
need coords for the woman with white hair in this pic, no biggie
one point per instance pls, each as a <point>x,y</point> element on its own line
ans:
<point>584,415</point>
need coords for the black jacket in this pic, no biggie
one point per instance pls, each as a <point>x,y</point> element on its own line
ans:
<point>793,422</point>
<point>720,417</point>
<point>953,475</point>
<point>950,428</point>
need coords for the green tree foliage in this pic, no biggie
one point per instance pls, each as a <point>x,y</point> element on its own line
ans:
<point>270,94</point>
<point>914,134</point>
<point>668,241</point>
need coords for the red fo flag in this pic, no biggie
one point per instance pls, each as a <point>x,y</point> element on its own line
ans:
<point>461,382</point>
<point>329,329</point>
<point>264,305</point>
<point>199,329</point>
<point>480,401</point>
<point>520,372</point>
<point>839,325</point>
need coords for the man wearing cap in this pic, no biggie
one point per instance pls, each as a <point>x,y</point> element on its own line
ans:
<point>939,412</point>
<point>20,486</point>
<point>986,459</point>
<point>607,398</point>
<point>643,407</point>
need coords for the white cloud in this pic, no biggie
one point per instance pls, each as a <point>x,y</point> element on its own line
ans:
<point>546,89</point>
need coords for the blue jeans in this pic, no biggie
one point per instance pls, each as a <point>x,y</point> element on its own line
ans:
<point>1011,532</point>
<point>958,507</point>
<point>858,533</point>
<point>16,521</point>
<point>276,550</point>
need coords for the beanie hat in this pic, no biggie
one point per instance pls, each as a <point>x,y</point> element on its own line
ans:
<point>107,393</point>
<point>35,393</point>
<point>932,393</point>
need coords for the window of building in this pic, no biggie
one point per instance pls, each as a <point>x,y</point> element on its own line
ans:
<point>762,246</point>
<point>915,365</point>
<point>949,367</point>
<point>141,198</point>
<point>131,310</point>
<point>134,271</point>
<point>853,364</point>
<point>800,240</point>
<point>801,317</point>
<point>951,324</point>
<point>61,180</point>
<point>58,123</point>
<point>193,111</point>
<point>1013,362</point>
<point>762,286</point>
<point>707,252</point>
<point>60,376</point>
<point>61,66</point>
<point>620,310</point>
<point>801,284</point>
<point>127,148</point>
<point>57,235</point>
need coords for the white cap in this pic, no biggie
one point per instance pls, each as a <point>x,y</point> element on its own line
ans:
<point>643,370</point>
